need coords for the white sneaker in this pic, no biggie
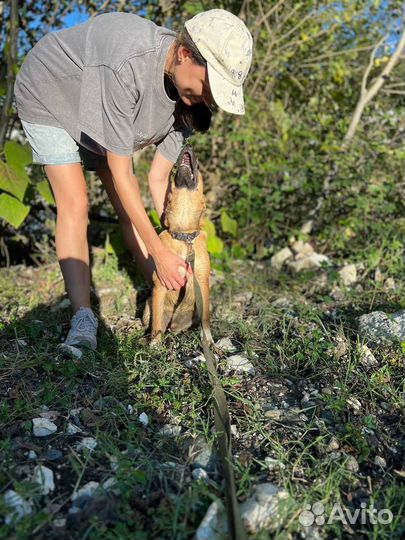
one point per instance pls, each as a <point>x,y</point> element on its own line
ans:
<point>83,329</point>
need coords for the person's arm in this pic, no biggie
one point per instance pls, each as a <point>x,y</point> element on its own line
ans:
<point>127,188</point>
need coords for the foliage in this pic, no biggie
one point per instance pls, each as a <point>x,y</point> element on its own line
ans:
<point>265,171</point>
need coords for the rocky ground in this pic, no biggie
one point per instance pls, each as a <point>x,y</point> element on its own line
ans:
<point>119,443</point>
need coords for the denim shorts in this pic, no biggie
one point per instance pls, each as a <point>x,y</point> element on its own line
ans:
<point>54,146</point>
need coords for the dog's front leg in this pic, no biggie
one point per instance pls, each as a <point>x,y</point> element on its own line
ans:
<point>158,304</point>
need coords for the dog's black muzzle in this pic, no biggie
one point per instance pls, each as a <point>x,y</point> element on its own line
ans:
<point>187,169</point>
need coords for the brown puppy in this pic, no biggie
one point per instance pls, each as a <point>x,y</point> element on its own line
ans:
<point>183,218</point>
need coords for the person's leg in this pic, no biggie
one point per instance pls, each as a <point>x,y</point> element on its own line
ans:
<point>132,239</point>
<point>70,192</point>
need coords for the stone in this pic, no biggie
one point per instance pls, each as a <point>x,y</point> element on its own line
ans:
<point>382,328</point>
<point>194,361</point>
<point>367,358</point>
<point>389,284</point>
<point>348,274</point>
<point>199,474</point>
<point>170,430</point>
<point>273,414</point>
<point>72,429</point>
<point>352,464</point>
<point>281,257</point>
<point>272,463</point>
<point>354,404</point>
<point>42,427</point>
<point>202,455</point>
<point>87,442</point>
<point>308,263</point>
<point>52,455</point>
<point>239,364</point>
<point>44,477</point>
<point>226,345</point>
<point>333,445</point>
<point>260,511</point>
<point>20,507</point>
<point>302,249</point>
<point>85,492</point>
<point>144,419</point>
<point>380,462</point>
<point>214,524</point>
<point>32,455</point>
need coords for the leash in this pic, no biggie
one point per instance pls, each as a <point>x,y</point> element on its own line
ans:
<point>222,420</point>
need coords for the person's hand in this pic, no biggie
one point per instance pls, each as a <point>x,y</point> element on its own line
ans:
<point>172,270</point>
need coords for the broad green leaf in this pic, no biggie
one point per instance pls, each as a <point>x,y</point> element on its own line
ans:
<point>228,224</point>
<point>214,244</point>
<point>45,191</point>
<point>12,210</point>
<point>155,218</point>
<point>13,182</point>
<point>17,155</point>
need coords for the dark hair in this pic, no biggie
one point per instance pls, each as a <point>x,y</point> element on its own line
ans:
<point>194,117</point>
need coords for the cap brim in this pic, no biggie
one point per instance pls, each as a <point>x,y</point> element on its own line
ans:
<point>226,95</point>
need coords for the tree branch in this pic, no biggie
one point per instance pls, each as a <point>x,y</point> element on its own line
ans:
<point>11,62</point>
<point>367,95</point>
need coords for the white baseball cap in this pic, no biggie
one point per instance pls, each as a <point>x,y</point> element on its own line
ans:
<point>226,44</point>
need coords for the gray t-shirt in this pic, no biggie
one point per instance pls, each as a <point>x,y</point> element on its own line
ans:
<point>103,82</point>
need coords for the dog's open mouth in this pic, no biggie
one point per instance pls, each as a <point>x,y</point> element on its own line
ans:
<point>187,170</point>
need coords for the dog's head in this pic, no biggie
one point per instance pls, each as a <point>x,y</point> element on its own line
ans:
<point>187,170</point>
<point>186,202</point>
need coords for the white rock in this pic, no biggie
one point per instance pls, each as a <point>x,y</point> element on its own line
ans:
<point>75,412</point>
<point>333,445</point>
<point>194,361</point>
<point>389,284</point>
<point>352,464</point>
<point>72,429</point>
<point>367,358</point>
<point>87,442</point>
<point>308,263</point>
<point>20,507</point>
<point>111,485</point>
<point>114,463</point>
<point>307,227</point>
<point>281,257</point>
<point>239,364</point>
<point>234,430</point>
<point>32,455</point>
<point>144,419</point>
<point>87,490</point>
<point>380,462</point>
<point>348,274</point>
<point>272,463</point>
<point>378,276</point>
<point>43,427</point>
<point>214,524</point>
<point>59,523</point>
<point>170,430</point>
<point>226,345</point>
<point>354,404</point>
<point>302,249</point>
<point>260,511</point>
<point>199,474</point>
<point>130,409</point>
<point>44,477</point>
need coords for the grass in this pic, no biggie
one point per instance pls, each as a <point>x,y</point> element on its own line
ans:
<point>308,346</point>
